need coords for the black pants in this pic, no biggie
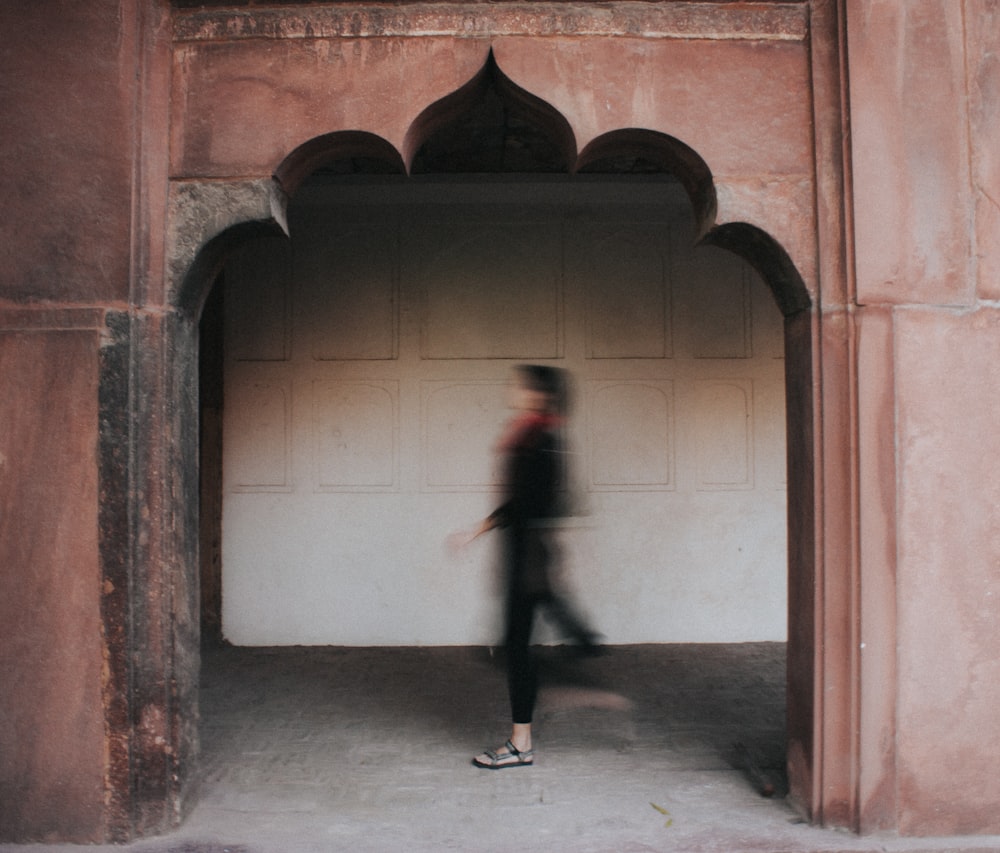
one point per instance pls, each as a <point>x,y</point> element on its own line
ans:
<point>522,668</point>
<point>527,585</point>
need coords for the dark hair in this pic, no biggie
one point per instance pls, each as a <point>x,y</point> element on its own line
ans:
<point>547,380</point>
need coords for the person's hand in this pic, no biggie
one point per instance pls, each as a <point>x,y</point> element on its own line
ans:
<point>459,540</point>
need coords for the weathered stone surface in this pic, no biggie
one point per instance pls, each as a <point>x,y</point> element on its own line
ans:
<point>948,402</point>
<point>910,147</point>
<point>51,657</point>
<point>693,20</point>
<point>983,52</point>
<point>66,146</point>
<point>877,495</point>
<point>836,530</point>
<point>802,703</point>
<point>697,92</point>
<point>201,211</point>
<point>785,209</point>
<point>115,524</point>
<point>230,123</point>
<point>163,688</point>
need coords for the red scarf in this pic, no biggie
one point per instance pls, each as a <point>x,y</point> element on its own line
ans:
<point>522,428</point>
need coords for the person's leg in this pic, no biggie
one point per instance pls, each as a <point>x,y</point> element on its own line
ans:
<point>522,669</point>
<point>522,685</point>
<point>570,624</point>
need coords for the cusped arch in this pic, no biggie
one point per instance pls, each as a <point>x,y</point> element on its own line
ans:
<point>641,151</point>
<point>769,258</point>
<point>209,261</point>
<point>374,153</point>
<point>493,121</point>
<point>491,109</point>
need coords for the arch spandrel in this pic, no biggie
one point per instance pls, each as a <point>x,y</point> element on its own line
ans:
<point>728,100</point>
<point>200,214</point>
<point>784,209</point>
<point>232,124</point>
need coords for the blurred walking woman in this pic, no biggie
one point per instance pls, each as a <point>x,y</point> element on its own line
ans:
<point>531,460</point>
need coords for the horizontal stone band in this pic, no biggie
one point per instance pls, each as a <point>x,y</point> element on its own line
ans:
<point>761,21</point>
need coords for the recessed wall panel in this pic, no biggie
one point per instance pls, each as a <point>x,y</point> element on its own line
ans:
<point>723,432</point>
<point>624,275</point>
<point>258,418</point>
<point>346,285</point>
<point>491,291</point>
<point>720,308</point>
<point>462,422</point>
<point>257,302</point>
<point>354,426</point>
<point>630,435</point>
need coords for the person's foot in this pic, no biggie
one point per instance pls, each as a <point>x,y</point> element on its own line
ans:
<point>591,645</point>
<point>507,755</point>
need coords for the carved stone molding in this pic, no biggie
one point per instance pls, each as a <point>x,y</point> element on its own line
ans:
<point>786,21</point>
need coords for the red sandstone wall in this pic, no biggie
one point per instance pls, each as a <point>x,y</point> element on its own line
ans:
<point>66,146</point>
<point>66,77</point>
<point>925,102</point>
<point>51,720</point>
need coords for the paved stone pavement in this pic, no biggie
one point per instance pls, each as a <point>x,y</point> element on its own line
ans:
<point>647,748</point>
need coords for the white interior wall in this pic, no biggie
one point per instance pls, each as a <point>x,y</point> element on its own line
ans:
<point>365,386</point>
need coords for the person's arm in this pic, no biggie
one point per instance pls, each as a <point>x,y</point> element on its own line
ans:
<point>485,526</point>
<point>459,540</point>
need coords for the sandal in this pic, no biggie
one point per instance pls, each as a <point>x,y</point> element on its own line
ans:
<point>513,757</point>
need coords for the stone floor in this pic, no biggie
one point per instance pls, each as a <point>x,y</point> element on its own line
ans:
<point>647,748</point>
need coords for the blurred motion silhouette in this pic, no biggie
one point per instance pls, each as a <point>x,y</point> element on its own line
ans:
<point>533,469</point>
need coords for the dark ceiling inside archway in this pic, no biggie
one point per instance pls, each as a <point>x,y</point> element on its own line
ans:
<point>489,138</point>
<point>492,138</point>
<point>482,147</point>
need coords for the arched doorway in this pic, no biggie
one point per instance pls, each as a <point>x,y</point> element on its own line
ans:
<point>629,152</point>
